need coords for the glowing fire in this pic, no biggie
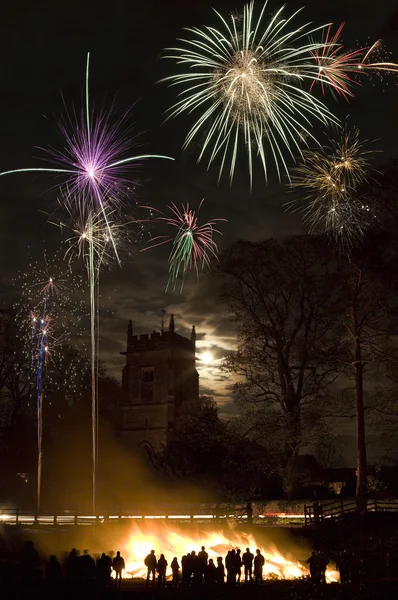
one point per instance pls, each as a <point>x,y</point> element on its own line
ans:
<point>172,542</point>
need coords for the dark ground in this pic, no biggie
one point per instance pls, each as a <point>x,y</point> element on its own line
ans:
<point>277,590</point>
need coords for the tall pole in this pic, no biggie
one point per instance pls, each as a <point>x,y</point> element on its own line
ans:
<point>42,348</point>
<point>361,487</point>
<point>93,361</point>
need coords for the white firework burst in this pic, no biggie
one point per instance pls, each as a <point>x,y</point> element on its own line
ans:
<point>247,83</point>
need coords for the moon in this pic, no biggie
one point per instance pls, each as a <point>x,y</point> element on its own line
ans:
<point>206,357</point>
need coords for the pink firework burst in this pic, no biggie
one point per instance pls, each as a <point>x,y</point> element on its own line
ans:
<point>336,65</point>
<point>193,244</point>
<point>94,160</point>
<point>339,70</point>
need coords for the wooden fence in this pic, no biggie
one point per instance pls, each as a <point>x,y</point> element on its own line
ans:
<point>314,513</point>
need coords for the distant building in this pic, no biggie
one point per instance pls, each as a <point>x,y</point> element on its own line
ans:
<point>159,375</point>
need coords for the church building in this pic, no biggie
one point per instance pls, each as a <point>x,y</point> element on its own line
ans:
<point>158,377</point>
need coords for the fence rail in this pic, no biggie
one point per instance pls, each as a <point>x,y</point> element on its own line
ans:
<point>198,514</point>
<point>314,513</point>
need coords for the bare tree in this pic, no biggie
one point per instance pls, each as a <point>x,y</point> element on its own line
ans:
<point>284,299</point>
<point>370,317</point>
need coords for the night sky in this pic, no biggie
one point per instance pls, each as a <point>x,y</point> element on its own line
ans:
<point>43,50</point>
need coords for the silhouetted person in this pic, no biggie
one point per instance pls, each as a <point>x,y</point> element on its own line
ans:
<point>342,566</point>
<point>247,561</point>
<point>185,569</point>
<point>220,570</point>
<point>258,566</point>
<point>202,561</point>
<point>323,562</point>
<point>211,572</point>
<point>238,565</point>
<point>53,575</point>
<point>118,565</point>
<point>72,566</point>
<point>230,566</point>
<point>314,567</point>
<point>249,512</point>
<point>29,562</point>
<point>175,570</point>
<point>161,568</point>
<point>87,566</point>
<point>150,563</point>
<point>104,570</point>
<point>196,568</point>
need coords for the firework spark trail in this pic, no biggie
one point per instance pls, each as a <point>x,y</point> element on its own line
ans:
<point>193,245</point>
<point>41,359</point>
<point>246,82</point>
<point>90,241</point>
<point>342,69</point>
<point>42,344</point>
<point>332,178</point>
<point>93,163</point>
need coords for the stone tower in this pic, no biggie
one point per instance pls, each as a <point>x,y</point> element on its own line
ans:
<point>159,375</point>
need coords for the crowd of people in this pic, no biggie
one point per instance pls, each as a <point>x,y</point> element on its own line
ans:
<point>197,568</point>
<point>107,571</point>
<point>76,568</point>
<point>194,568</point>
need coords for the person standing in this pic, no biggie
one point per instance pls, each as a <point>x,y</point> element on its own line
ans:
<point>175,570</point>
<point>150,563</point>
<point>161,568</point>
<point>314,567</point>
<point>211,572</point>
<point>220,575</point>
<point>258,567</point>
<point>247,561</point>
<point>118,565</point>
<point>323,561</point>
<point>202,562</point>
<point>238,564</point>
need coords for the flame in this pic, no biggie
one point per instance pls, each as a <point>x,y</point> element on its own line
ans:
<point>172,542</point>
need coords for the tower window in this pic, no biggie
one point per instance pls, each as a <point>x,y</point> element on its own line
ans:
<point>148,374</point>
<point>147,379</point>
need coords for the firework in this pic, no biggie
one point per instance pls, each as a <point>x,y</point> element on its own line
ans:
<point>94,161</point>
<point>332,178</point>
<point>342,69</point>
<point>90,240</point>
<point>245,82</point>
<point>93,164</point>
<point>85,227</point>
<point>44,308</point>
<point>193,245</point>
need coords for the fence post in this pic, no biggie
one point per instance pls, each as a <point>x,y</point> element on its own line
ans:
<point>75,517</point>
<point>55,519</point>
<point>305,515</point>
<point>16,516</point>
